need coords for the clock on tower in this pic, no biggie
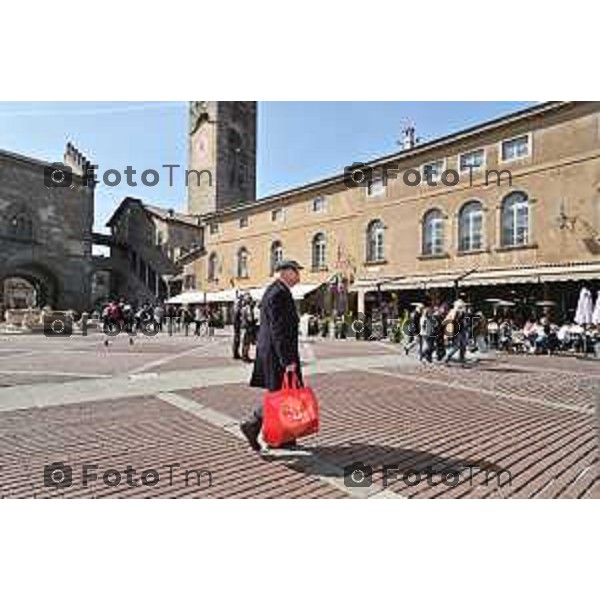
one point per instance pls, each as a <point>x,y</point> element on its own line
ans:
<point>222,155</point>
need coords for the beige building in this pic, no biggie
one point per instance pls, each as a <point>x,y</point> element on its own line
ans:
<point>509,208</point>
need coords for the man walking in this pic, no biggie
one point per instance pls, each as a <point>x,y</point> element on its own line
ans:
<point>248,327</point>
<point>237,327</point>
<point>277,345</point>
<point>414,331</point>
<point>460,335</point>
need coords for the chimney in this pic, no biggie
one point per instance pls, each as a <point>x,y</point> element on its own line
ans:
<point>408,137</point>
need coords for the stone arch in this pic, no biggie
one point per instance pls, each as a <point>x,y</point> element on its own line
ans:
<point>45,283</point>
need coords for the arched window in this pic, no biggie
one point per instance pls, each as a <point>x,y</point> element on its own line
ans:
<point>319,251</point>
<point>276,254</point>
<point>20,226</point>
<point>433,232</point>
<point>515,220</point>
<point>470,226</point>
<point>242,263</point>
<point>375,245</point>
<point>213,267</point>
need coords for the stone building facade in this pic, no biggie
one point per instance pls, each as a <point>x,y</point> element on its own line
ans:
<point>523,217</point>
<point>147,244</point>
<point>46,230</point>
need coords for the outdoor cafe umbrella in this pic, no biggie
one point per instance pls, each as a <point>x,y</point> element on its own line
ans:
<point>584,312</point>
<point>596,313</point>
<point>585,307</point>
<point>495,302</point>
<point>545,304</point>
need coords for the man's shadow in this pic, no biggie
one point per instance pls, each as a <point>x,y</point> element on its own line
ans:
<point>338,460</point>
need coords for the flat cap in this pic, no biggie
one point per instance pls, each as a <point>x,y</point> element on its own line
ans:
<point>288,264</point>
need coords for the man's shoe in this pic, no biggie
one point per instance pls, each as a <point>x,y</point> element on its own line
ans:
<point>289,445</point>
<point>251,431</point>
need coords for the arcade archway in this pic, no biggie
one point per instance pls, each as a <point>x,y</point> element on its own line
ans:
<point>26,287</point>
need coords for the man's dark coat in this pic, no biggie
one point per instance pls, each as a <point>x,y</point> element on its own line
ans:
<point>277,344</point>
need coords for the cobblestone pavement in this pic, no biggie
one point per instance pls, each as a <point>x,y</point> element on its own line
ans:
<point>506,427</point>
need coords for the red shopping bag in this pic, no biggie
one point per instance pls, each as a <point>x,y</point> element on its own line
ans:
<point>289,413</point>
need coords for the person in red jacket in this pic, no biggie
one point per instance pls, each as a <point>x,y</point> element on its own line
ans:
<point>277,345</point>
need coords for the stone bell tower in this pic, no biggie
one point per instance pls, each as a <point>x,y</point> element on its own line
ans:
<point>222,152</point>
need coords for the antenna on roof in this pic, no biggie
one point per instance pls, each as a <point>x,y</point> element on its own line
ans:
<point>408,139</point>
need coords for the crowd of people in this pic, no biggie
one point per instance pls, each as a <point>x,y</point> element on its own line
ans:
<point>122,316</point>
<point>439,333</point>
<point>543,336</point>
<point>246,318</point>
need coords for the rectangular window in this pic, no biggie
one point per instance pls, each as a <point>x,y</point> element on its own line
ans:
<point>243,222</point>
<point>515,148</point>
<point>319,204</point>
<point>277,215</point>
<point>189,282</point>
<point>474,159</point>
<point>433,171</point>
<point>375,188</point>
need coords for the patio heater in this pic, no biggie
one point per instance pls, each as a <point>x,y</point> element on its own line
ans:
<point>460,278</point>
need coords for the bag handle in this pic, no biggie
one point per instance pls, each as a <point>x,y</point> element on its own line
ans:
<point>290,376</point>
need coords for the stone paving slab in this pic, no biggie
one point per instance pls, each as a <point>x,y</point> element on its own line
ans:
<point>17,379</point>
<point>194,362</point>
<point>145,433</point>
<point>532,415</point>
<point>563,387</point>
<point>379,420</point>
<point>572,364</point>
<point>350,348</point>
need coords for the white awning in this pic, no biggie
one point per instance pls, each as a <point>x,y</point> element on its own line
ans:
<point>535,274</point>
<point>221,296</point>
<point>299,292</point>
<point>190,297</point>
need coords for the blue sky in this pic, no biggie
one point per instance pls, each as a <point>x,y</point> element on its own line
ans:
<point>297,141</point>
